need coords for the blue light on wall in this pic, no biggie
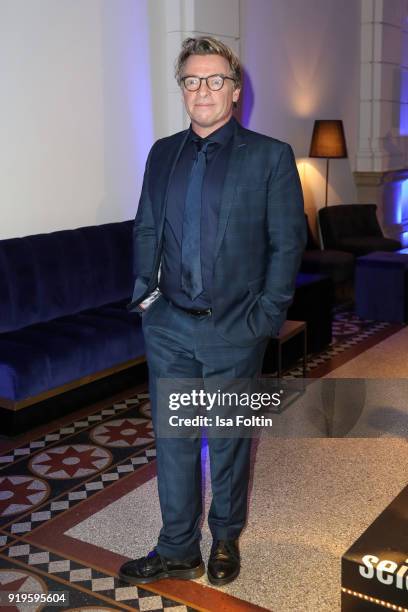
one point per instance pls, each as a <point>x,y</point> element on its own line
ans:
<point>404,103</point>
<point>401,208</point>
<point>404,240</point>
<point>395,209</point>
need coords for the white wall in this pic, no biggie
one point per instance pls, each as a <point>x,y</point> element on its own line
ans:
<point>127,102</point>
<point>81,104</point>
<point>302,60</point>
<point>75,116</point>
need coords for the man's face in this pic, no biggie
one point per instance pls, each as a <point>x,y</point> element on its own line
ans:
<point>208,109</point>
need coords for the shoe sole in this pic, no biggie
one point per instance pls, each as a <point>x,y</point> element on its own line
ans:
<point>190,574</point>
<point>222,581</point>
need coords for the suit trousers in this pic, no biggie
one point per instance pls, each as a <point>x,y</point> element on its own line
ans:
<point>181,345</point>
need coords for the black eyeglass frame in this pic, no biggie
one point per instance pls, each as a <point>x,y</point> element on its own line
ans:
<point>189,76</point>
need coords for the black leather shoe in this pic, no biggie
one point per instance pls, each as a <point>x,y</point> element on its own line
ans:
<point>223,564</point>
<point>154,567</point>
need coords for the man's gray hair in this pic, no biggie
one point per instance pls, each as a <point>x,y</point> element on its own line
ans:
<point>207,45</point>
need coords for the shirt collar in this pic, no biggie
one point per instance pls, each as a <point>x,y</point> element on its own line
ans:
<point>220,136</point>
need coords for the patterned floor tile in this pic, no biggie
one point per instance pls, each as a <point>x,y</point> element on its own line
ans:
<point>72,461</point>
<point>123,433</point>
<point>5,539</point>
<point>69,430</point>
<point>83,491</point>
<point>20,493</point>
<point>58,472</point>
<point>44,566</point>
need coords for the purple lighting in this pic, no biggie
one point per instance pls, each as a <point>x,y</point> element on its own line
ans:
<point>403,128</point>
<point>401,209</point>
<point>396,203</point>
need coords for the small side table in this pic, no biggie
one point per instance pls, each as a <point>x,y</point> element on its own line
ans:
<point>288,330</point>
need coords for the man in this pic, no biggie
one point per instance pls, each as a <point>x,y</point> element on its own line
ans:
<point>221,216</point>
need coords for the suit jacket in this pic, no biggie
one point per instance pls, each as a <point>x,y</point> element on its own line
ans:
<point>261,233</point>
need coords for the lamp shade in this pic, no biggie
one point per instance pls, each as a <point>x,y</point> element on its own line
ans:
<point>328,139</point>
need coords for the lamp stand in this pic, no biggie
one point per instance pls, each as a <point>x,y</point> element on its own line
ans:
<point>327,179</point>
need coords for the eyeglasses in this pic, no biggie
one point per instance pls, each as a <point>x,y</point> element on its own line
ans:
<point>214,82</point>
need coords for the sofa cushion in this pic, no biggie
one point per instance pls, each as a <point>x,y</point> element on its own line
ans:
<point>48,276</point>
<point>46,355</point>
<point>347,221</point>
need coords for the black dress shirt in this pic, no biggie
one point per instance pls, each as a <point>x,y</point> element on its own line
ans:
<point>218,154</point>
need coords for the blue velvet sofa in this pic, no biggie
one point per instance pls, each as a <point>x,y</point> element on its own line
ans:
<point>63,317</point>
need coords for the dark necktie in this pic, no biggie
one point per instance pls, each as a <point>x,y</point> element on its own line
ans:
<point>191,279</point>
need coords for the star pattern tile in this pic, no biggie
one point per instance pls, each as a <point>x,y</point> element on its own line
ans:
<point>71,461</point>
<point>123,433</point>
<point>20,493</point>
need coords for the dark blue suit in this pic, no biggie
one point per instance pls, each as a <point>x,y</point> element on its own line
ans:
<point>259,242</point>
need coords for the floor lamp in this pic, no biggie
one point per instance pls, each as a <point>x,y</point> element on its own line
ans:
<point>328,142</point>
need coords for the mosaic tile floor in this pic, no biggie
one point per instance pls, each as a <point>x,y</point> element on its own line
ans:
<point>68,471</point>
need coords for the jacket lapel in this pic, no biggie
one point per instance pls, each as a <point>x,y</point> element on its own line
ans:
<point>172,154</point>
<point>238,154</point>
